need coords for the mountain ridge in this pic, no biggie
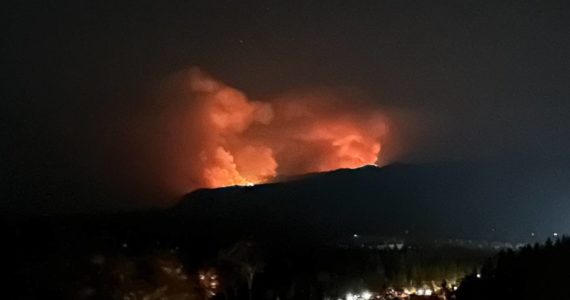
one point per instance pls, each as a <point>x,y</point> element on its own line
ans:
<point>427,200</point>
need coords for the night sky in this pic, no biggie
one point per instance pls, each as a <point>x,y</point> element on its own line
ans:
<point>478,82</point>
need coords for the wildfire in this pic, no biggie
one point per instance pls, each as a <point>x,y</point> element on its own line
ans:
<point>213,135</point>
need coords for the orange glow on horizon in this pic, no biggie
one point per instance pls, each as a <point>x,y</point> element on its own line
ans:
<point>213,135</point>
<point>256,141</point>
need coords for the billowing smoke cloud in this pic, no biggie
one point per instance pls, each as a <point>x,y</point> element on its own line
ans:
<point>200,132</point>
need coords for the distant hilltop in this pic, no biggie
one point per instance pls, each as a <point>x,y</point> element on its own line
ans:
<point>427,202</point>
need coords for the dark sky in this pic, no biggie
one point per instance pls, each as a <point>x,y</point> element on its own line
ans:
<point>484,80</point>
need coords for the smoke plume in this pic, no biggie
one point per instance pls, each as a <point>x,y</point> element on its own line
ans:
<point>202,133</point>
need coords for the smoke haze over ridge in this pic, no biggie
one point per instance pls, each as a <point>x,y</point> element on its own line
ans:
<point>202,133</point>
<point>468,81</point>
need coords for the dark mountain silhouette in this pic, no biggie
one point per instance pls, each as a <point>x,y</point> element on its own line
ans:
<point>493,200</point>
<point>419,201</point>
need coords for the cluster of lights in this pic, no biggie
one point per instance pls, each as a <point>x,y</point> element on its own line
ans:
<point>209,281</point>
<point>419,291</point>
<point>391,293</point>
<point>424,292</point>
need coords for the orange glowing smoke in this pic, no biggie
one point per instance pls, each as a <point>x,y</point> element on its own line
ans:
<point>209,134</point>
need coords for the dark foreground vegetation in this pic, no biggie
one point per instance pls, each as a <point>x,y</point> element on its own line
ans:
<point>169,257</point>
<point>534,272</point>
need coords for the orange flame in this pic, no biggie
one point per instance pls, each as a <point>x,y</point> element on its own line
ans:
<point>209,134</point>
<point>255,141</point>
